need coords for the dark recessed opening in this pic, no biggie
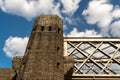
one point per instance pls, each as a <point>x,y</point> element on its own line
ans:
<point>58,65</point>
<point>42,28</point>
<point>58,30</point>
<point>58,48</point>
<point>23,61</point>
<point>29,47</point>
<point>50,28</point>
<point>34,29</point>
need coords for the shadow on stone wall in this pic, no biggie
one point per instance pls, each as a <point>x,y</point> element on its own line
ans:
<point>68,75</point>
<point>14,78</point>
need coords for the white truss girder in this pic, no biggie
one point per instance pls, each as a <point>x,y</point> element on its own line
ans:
<point>94,56</point>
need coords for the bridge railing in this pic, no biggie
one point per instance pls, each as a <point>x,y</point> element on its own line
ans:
<point>94,56</point>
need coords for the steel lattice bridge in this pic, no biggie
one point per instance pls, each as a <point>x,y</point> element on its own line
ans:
<point>94,58</point>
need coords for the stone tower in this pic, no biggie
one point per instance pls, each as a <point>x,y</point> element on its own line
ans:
<point>43,59</point>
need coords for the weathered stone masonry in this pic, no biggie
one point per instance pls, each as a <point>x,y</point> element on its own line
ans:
<point>43,59</point>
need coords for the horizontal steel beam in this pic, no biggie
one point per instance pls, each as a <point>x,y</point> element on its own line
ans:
<point>96,60</point>
<point>76,39</point>
<point>96,75</point>
<point>95,78</point>
<point>94,57</point>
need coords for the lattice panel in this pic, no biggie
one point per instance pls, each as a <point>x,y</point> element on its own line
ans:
<point>94,56</point>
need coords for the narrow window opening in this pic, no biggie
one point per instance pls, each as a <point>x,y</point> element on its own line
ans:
<point>50,28</point>
<point>58,30</point>
<point>58,65</point>
<point>29,47</point>
<point>34,28</point>
<point>58,49</point>
<point>42,28</point>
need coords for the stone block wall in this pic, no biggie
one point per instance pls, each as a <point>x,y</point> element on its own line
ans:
<point>43,59</point>
<point>6,74</point>
<point>44,53</point>
<point>16,63</point>
<point>68,67</point>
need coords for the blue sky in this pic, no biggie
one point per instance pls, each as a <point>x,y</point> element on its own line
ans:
<point>82,18</point>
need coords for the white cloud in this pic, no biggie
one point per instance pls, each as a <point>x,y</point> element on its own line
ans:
<point>99,12</point>
<point>70,6</point>
<point>56,9</point>
<point>0,3</point>
<point>30,8</point>
<point>103,13</point>
<point>87,33</point>
<point>116,13</point>
<point>72,20</point>
<point>15,46</point>
<point>64,27</point>
<point>115,29</point>
<point>33,8</point>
